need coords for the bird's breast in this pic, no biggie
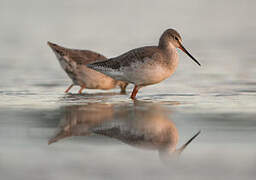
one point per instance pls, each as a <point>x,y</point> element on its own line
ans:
<point>149,71</point>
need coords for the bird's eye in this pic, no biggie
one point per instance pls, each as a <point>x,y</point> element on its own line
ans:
<point>176,38</point>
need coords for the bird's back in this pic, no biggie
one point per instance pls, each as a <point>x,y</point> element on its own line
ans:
<point>126,59</point>
<point>78,56</point>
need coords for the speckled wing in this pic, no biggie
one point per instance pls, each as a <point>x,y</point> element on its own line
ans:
<point>125,60</point>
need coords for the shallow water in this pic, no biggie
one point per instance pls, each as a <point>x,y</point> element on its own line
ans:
<point>218,98</point>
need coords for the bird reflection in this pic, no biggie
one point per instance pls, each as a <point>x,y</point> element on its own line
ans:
<point>140,125</point>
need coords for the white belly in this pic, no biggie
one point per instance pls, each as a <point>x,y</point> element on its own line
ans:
<point>147,73</point>
<point>95,80</point>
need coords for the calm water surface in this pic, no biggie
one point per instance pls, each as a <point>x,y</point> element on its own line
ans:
<point>105,135</point>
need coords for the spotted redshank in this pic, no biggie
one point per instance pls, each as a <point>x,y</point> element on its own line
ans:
<point>73,62</point>
<point>146,65</point>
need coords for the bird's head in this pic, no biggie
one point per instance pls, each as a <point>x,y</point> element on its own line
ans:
<point>171,38</point>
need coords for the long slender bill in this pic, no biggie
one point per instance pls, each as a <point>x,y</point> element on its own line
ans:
<point>185,51</point>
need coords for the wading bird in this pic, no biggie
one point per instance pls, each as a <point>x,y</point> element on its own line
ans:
<point>73,62</point>
<point>146,65</point>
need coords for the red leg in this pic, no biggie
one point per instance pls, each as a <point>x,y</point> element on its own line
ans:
<point>69,88</point>
<point>81,89</point>
<point>134,92</point>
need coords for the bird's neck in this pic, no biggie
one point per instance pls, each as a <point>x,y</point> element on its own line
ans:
<point>167,46</point>
<point>171,53</point>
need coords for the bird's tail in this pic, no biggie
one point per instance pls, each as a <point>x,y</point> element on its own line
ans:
<point>62,55</point>
<point>58,50</point>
